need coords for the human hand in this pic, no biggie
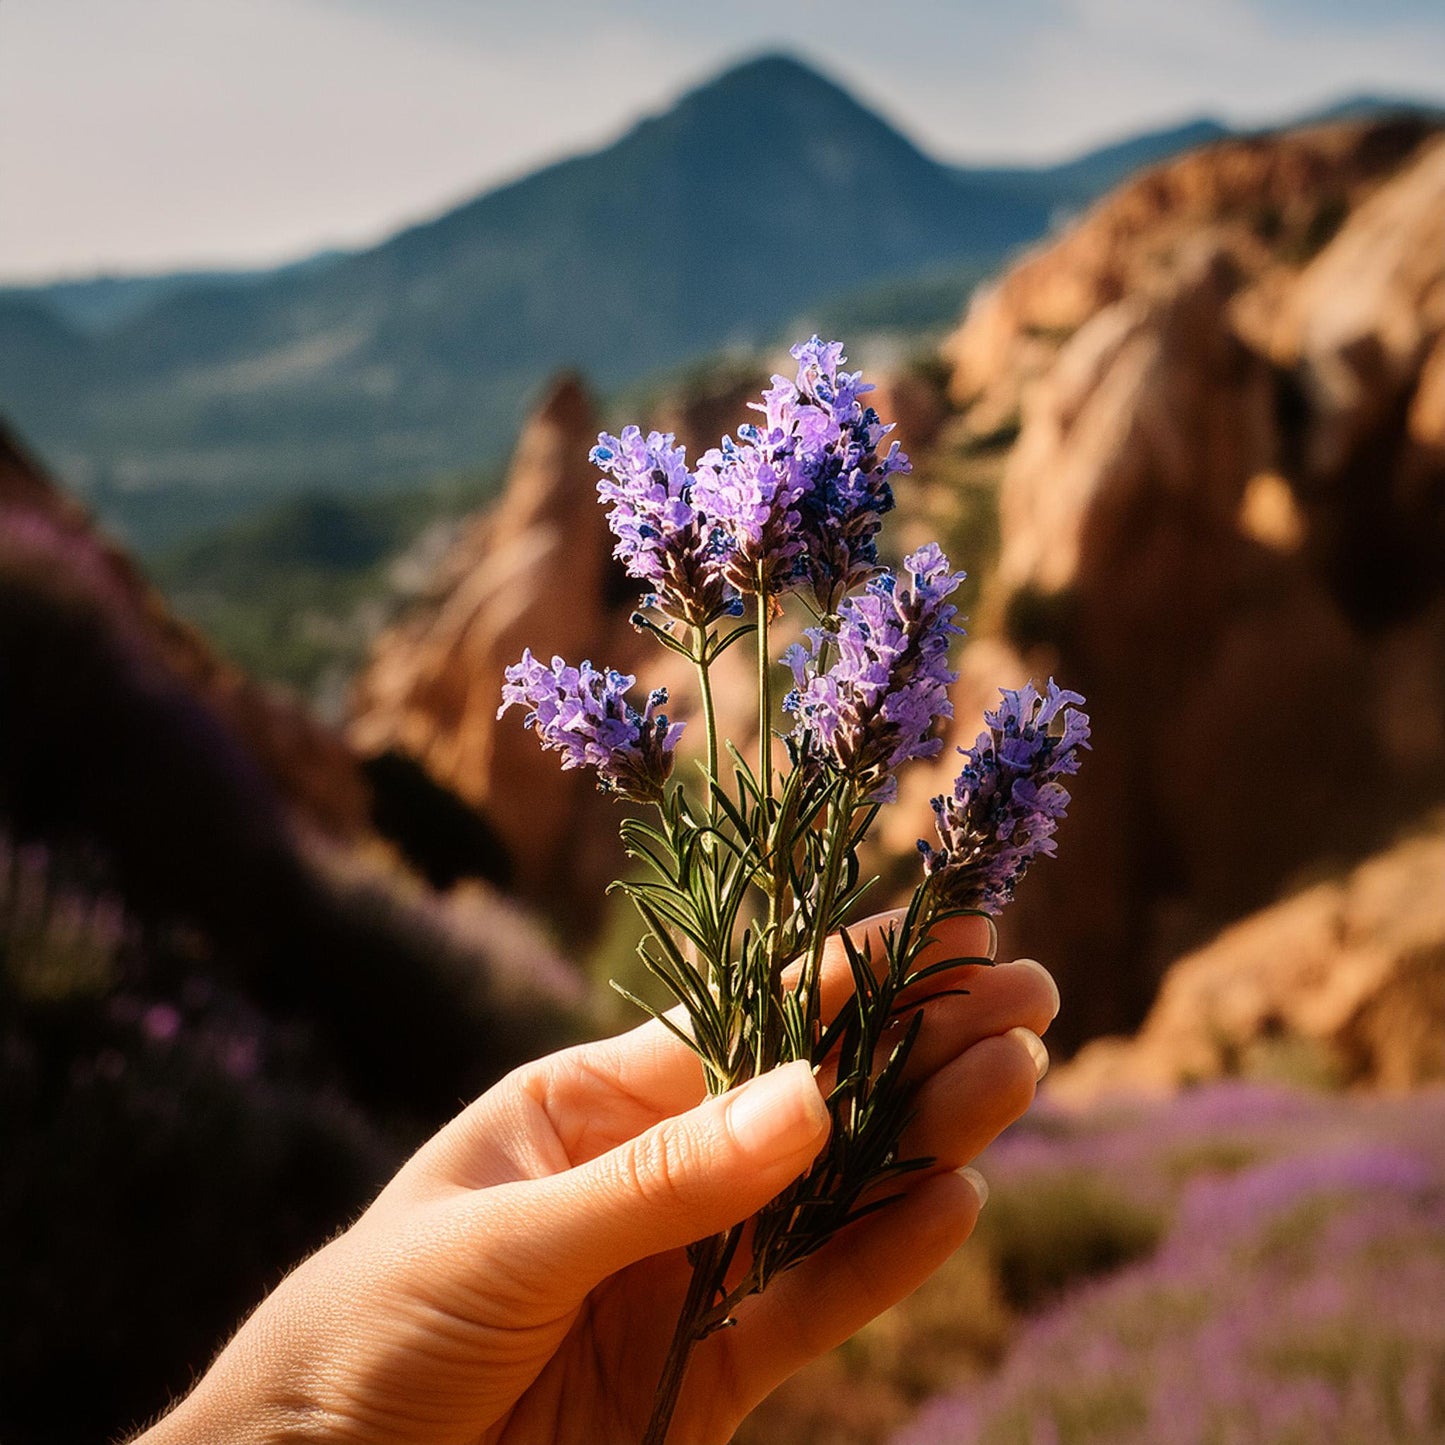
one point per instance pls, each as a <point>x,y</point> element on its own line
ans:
<point>519,1279</point>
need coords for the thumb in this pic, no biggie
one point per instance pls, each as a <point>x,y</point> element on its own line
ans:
<point>689,1176</point>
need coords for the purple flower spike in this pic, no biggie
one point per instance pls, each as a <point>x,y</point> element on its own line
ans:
<point>662,540</point>
<point>583,714</point>
<point>837,441</point>
<point>1007,801</point>
<point>801,497</point>
<point>794,502</point>
<point>750,492</point>
<point>874,709</point>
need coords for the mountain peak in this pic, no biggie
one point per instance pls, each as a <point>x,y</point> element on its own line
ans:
<point>770,70</point>
<point>774,81</point>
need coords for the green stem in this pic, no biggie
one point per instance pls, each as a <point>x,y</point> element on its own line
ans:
<point>839,825</point>
<point>701,1291</point>
<point>765,701</point>
<point>707,1308</point>
<point>772,1032</point>
<point>709,712</point>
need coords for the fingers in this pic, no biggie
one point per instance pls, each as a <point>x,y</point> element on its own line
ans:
<point>658,1070</point>
<point>828,1298</point>
<point>1006,996</point>
<point>966,936</point>
<point>883,1258</point>
<point>969,1101</point>
<point>580,1103</point>
<point>595,1095</point>
<point>687,1177</point>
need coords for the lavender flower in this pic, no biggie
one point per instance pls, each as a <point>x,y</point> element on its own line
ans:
<point>662,539</point>
<point>801,498</point>
<point>1295,1295</point>
<point>836,439</point>
<point>583,714</point>
<point>874,709</point>
<point>1007,801</point>
<point>750,492</point>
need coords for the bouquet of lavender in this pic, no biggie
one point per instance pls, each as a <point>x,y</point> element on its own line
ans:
<point>751,871</point>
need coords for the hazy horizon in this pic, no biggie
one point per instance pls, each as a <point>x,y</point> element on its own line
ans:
<point>245,136</point>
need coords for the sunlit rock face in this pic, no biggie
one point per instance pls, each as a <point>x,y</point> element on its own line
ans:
<point>1342,983</point>
<point>1272,201</point>
<point>1224,521</point>
<point>534,572</point>
<point>1220,519</point>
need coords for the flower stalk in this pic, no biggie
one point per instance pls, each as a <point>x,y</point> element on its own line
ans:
<point>703,664</point>
<point>759,873</point>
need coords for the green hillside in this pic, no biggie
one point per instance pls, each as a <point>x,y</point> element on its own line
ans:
<point>755,196</point>
<point>181,403</point>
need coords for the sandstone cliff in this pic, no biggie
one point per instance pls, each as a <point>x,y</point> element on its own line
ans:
<point>1342,983</point>
<point>1223,518</point>
<point>1224,521</point>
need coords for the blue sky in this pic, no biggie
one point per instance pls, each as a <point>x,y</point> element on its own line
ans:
<point>150,134</point>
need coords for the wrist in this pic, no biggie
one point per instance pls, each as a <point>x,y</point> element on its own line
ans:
<point>224,1412</point>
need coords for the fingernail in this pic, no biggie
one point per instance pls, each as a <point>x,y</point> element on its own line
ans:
<point>1035,1045</point>
<point>980,1184</point>
<point>1034,964</point>
<point>992,936</point>
<point>778,1111</point>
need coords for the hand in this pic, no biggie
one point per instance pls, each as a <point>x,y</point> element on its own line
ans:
<point>519,1279</point>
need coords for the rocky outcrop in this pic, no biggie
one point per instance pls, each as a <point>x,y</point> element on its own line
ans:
<point>1224,521</point>
<point>534,572</point>
<point>1343,982</point>
<point>1221,520</point>
<point>1269,200</point>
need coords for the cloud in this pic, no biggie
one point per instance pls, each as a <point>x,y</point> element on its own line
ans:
<point>151,132</point>
<point>147,133</point>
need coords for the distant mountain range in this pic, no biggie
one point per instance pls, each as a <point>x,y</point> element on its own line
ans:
<point>756,198</point>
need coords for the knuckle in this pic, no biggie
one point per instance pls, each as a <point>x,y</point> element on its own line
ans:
<point>662,1167</point>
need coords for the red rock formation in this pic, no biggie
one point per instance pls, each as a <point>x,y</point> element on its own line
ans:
<point>1343,982</point>
<point>1267,199</point>
<point>535,572</point>
<point>1224,520</point>
<point>1221,520</point>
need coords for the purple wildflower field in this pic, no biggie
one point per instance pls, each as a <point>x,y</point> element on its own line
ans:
<point>1296,1296</point>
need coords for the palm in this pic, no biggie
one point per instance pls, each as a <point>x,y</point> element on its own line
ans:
<point>593,1368</point>
<point>598,1383</point>
<point>594,1365</point>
